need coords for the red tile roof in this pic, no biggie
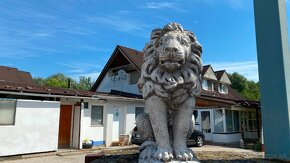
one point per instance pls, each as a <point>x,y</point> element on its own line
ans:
<point>135,56</point>
<point>27,88</point>
<point>10,74</point>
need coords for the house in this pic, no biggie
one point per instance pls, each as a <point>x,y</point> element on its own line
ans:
<point>220,110</point>
<point>42,119</point>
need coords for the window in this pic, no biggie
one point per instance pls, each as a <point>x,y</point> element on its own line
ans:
<point>138,110</point>
<point>236,117</point>
<point>97,115</point>
<point>218,120</point>
<point>86,105</point>
<point>7,112</point>
<point>229,120</point>
<point>134,77</point>
<point>222,88</point>
<point>207,85</point>
<point>204,85</point>
<point>252,121</point>
<point>205,122</point>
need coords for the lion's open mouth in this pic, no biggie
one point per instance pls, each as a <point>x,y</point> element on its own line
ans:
<point>171,65</point>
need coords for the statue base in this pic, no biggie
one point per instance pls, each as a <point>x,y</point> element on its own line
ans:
<point>125,158</point>
<point>173,161</point>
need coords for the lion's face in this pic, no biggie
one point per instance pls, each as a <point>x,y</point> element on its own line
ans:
<point>171,61</point>
<point>173,49</point>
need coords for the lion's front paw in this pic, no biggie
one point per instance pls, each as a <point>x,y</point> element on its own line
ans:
<point>183,153</point>
<point>148,152</point>
<point>163,153</point>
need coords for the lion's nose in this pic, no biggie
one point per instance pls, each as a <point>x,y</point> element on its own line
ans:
<point>171,49</point>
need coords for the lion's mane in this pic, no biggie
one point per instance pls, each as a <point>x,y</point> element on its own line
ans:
<point>155,80</point>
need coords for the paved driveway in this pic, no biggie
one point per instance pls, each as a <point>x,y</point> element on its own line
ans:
<point>79,158</point>
<point>203,153</point>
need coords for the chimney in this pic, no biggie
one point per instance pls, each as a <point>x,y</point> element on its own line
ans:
<point>68,83</point>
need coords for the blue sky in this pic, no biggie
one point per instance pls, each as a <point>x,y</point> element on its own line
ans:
<point>77,37</point>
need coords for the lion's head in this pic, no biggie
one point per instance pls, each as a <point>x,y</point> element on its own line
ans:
<point>171,59</point>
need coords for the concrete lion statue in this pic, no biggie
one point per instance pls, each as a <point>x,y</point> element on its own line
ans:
<point>170,80</point>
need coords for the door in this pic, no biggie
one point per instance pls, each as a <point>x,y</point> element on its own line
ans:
<point>64,133</point>
<point>206,124</point>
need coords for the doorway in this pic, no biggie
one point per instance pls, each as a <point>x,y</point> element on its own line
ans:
<point>64,133</point>
<point>206,126</point>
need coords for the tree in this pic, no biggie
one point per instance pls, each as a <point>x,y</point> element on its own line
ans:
<point>239,82</point>
<point>57,80</point>
<point>62,81</point>
<point>39,81</point>
<point>250,90</point>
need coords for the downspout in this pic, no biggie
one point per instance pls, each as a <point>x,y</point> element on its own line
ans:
<point>80,125</point>
<point>258,123</point>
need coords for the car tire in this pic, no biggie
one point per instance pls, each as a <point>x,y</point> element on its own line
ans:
<point>199,141</point>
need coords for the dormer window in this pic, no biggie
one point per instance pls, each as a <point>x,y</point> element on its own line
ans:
<point>222,88</point>
<point>207,85</point>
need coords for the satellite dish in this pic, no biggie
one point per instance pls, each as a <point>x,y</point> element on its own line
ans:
<point>122,74</point>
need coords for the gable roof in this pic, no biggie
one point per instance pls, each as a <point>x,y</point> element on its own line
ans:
<point>133,56</point>
<point>9,74</point>
<point>222,76</point>
<point>207,72</point>
<point>205,68</point>
<point>219,74</point>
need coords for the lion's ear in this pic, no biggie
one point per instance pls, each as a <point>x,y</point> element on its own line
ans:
<point>197,48</point>
<point>156,33</point>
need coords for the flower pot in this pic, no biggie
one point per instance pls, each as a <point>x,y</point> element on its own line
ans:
<point>87,146</point>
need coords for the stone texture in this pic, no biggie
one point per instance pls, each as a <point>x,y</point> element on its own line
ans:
<point>170,80</point>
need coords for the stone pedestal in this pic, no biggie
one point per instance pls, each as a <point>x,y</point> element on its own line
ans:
<point>124,158</point>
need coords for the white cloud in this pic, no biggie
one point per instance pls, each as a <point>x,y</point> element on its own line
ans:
<point>236,4</point>
<point>93,75</point>
<point>249,69</point>
<point>164,5</point>
<point>159,5</point>
<point>119,23</point>
<point>78,69</point>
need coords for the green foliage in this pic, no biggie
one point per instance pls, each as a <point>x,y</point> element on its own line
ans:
<point>250,90</point>
<point>61,81</point>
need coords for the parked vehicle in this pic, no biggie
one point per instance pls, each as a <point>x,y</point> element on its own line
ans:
<point>196,138</point>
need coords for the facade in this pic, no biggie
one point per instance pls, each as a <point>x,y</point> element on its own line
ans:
<point>221,113</point>
<point>41,119</point>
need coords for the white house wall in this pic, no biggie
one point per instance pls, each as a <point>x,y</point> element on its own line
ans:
<point>120,84</point>
<point>226,138</point>
<point>35,130</point>
<point>104,134</point>
<point>95,133</point>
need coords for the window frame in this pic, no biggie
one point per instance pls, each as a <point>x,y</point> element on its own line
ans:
<point>224,91</point>
<point>130,77</point>
<point>136,109</point>
<point>217,112</point>
<point>102,123</point>
<point>209,84</point>
<point>14,115</point>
